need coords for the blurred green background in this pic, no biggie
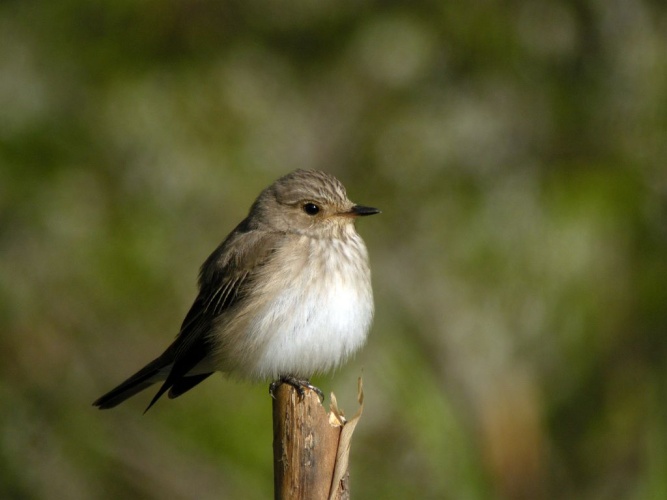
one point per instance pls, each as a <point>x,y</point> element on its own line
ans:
<point>517,150</point>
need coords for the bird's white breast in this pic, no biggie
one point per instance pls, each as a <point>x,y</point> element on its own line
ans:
<point>316,309</point>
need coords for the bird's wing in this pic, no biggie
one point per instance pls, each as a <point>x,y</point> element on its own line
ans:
<point>223,284</point>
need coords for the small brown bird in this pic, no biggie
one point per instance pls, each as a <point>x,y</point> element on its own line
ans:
<point>286,295</point>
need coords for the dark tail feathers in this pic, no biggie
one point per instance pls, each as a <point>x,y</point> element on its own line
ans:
<point>144,378</point>
<point>141,380</point>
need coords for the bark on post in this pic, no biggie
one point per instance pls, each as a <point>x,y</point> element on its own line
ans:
<point>310,447</point>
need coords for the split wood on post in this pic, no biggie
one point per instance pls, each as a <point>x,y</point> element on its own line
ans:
<point>310,447</point>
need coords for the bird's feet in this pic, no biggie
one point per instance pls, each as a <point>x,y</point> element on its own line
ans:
<point>298,384</point>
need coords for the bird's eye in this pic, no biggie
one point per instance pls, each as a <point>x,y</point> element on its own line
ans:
<point>311,209</point>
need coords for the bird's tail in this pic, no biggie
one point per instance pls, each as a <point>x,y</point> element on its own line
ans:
<point>155,371</point>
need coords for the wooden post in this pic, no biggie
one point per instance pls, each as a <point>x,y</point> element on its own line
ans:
<point>310,447</point>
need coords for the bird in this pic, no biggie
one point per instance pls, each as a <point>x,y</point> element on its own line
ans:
<point>286,295</point>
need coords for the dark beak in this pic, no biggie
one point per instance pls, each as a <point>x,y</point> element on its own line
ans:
<point>360,210</point>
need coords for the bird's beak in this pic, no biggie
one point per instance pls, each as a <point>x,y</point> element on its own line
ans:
<point>360,210</point>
